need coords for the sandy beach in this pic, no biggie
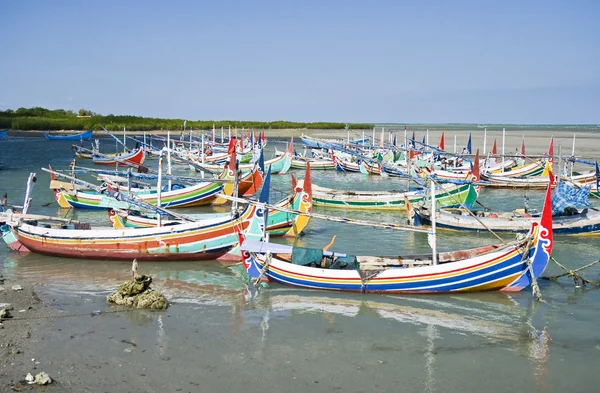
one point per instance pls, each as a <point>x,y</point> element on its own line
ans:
<point>587,141</point>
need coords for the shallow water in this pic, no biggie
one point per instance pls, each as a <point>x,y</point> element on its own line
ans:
<point>217,336</point>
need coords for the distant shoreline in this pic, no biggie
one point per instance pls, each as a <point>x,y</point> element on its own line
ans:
<point>434,129</point>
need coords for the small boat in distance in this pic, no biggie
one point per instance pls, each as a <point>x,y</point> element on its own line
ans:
<point>83,136</point>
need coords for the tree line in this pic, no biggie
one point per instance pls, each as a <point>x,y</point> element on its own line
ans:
<point>60,119</point>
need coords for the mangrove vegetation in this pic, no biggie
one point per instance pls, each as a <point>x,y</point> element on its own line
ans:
<point>61,119</point>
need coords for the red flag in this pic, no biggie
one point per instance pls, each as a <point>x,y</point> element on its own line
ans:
<point>551,178</point>
<point>551,151</point>
<point>291,146</point>
<point>232,143</point>
<point>442,142</point>
<point>494,151</point>
<point>523,145</point>
<point>476,167</point>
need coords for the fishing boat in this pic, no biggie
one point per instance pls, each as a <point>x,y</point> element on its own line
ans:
<point>191,240</point>
<point>133,158</point>
<point>343,165</point>
<point>279,222</point>
<point>3,134</point>
<point>83,136</point>
<point>446,194</point>
<point>178,196</point>
<point>317,143</point>
<point>506,267</point>
<point>534,182</point>
<point>580,222</point>
<point>200,240</point>
<point>315,164</point>
<point>571,215</point>
<point>279,165</point>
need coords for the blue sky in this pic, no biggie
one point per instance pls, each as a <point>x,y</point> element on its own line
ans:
<point>349,61</point>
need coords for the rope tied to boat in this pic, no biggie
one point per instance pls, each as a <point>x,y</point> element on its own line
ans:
<point>535,288</point>
<point>264,269</point>
<point>577,279</point>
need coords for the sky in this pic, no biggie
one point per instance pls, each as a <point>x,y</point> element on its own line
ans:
<point>350,61</point>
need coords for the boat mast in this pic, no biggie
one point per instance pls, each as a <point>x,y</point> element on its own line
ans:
<point>484,140</point>
<point>503,140</point>
<point>158,190</point>
<point>202,155</point>
<point>432,235</point>
<point>169,158</point>
<point>573,156</point>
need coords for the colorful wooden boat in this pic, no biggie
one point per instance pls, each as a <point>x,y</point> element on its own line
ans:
<point>84,136</point>
<point>584,222</point>
<point>537,168</point>
<point>447,195</point>
<point>279,223</point>
<point>279,165</point>
<point>537,182</point>
<point>190,241</point>
<point>299,162</point>
<point>506,267</point>
<point>200,194</point>
<point>133,158</point>
<point>343,165</point>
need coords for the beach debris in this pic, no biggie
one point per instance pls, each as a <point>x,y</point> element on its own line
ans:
<point>2,288</point>
<point>29,378</point>
<point>43,379</point>
<point>134,268</point>
<point>5,313</point>
<point>17,287</point>
<point>138,294</point>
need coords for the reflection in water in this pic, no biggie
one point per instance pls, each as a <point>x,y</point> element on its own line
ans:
<point>161,337</point>
<point>538,349</point>
<point>431,333</point>
<point>452,313</point>
<point>495,317</point>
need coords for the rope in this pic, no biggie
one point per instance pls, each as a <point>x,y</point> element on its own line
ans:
<point>535,288</point>
<point>264,269</point>
<point>573,273</point>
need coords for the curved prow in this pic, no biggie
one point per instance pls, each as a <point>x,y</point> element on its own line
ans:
<point>540,249</point>
<point>544,240</point>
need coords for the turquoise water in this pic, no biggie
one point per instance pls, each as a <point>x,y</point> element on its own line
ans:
<point>217,336</point>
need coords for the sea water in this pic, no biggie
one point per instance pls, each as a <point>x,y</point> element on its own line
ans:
<point>219,336</point>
